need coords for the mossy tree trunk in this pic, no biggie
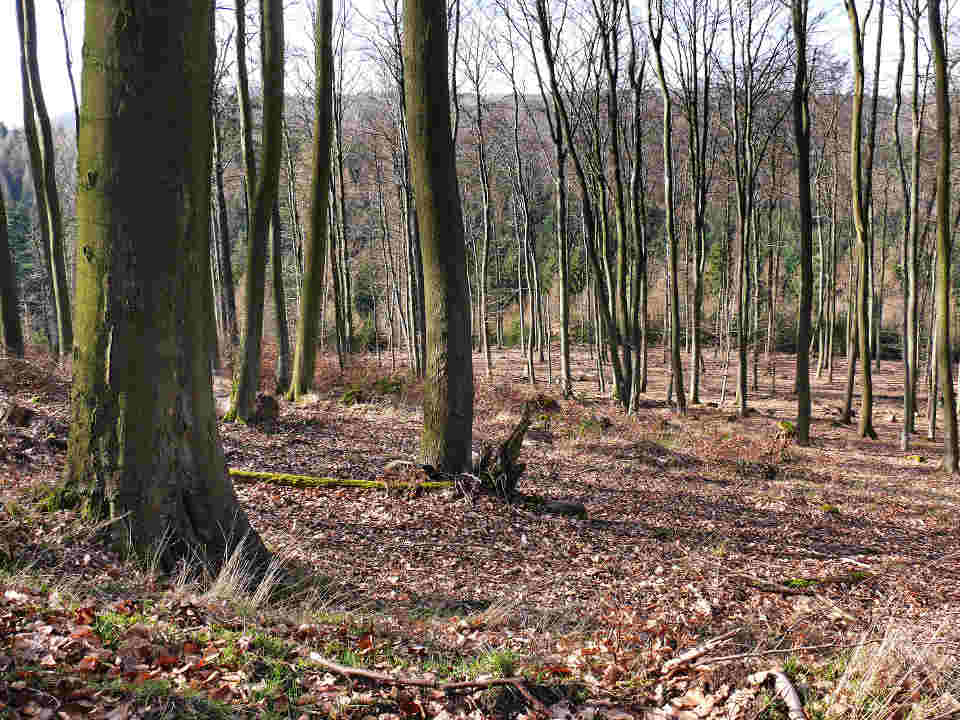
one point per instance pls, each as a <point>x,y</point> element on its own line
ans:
<point>12,330</point>
<point>143,448</point>
<point>247,372</point>
<point>315,244</point>
<point>448,393</point>
<point>44,169</point>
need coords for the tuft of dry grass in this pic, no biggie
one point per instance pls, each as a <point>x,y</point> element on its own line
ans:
<point>902,669</point>
<point>241,572</point>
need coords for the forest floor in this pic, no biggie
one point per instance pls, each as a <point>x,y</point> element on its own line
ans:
<point>713,548</point>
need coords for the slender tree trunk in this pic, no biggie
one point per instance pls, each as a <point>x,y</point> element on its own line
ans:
<point>563,266</point>
<point>282,370</point>
<point>225,246</point>
<point>46,169</point>
<point>336,278</point>
<point>68,55</point>
<point>801,131</point>
<point>676,368</point>
<point>944,242</point>
<point>10,325</point>
<point>860,201</point>
<point>43,233</point>
<point>247,370</point>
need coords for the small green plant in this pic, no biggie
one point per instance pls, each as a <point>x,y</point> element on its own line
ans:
<point>354,396</point>
<point>110,626</point>
<point>830,509</point>
<point>269,646</point>
<point>800,583</point>
<point>351,659</point>
<point>786,429</point>
<point>594,425</point>
<point>794,668</point>
<point>500,662</point>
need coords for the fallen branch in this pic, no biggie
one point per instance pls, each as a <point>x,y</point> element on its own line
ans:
<point>515,682</point>
<point>671,666</point>
<point>308,481</point>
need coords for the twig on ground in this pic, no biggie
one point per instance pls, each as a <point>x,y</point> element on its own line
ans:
<point>781,651</point>
<point>516,682</point>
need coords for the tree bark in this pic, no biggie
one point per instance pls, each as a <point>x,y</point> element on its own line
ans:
<point>144,449</point>
<point>448,391</point>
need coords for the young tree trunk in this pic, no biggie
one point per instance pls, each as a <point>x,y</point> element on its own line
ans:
<point>282,369</point>
<point>656,21</point>
<point>68,55</point>
<point>448,392</point>
<point>336,277</point>
<point>343,222</point>
<point>247,370</point>
<point>10,325</point>
<point>144,450</point>
<point>225,268</point>
<point>45,170</point>
<point>563,267</point>
<point>861,202</point>
<point>315,244</point>
<point>486,237</point>
<point>638,198</point>
<point>42,233</point>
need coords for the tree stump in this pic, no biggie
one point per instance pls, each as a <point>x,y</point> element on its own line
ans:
<point>499,467</point>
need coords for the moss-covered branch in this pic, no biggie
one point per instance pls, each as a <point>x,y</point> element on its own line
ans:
<point>306,481</point>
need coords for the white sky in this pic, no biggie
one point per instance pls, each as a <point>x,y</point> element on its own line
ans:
<point>56,87</point>
<point>53,69</point>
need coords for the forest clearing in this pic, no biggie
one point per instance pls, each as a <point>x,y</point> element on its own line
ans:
<point>837,564</point>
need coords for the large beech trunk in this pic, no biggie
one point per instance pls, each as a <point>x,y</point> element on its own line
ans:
<point>144,449</point>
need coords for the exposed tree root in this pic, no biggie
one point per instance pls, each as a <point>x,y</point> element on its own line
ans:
<point>308,481</point>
